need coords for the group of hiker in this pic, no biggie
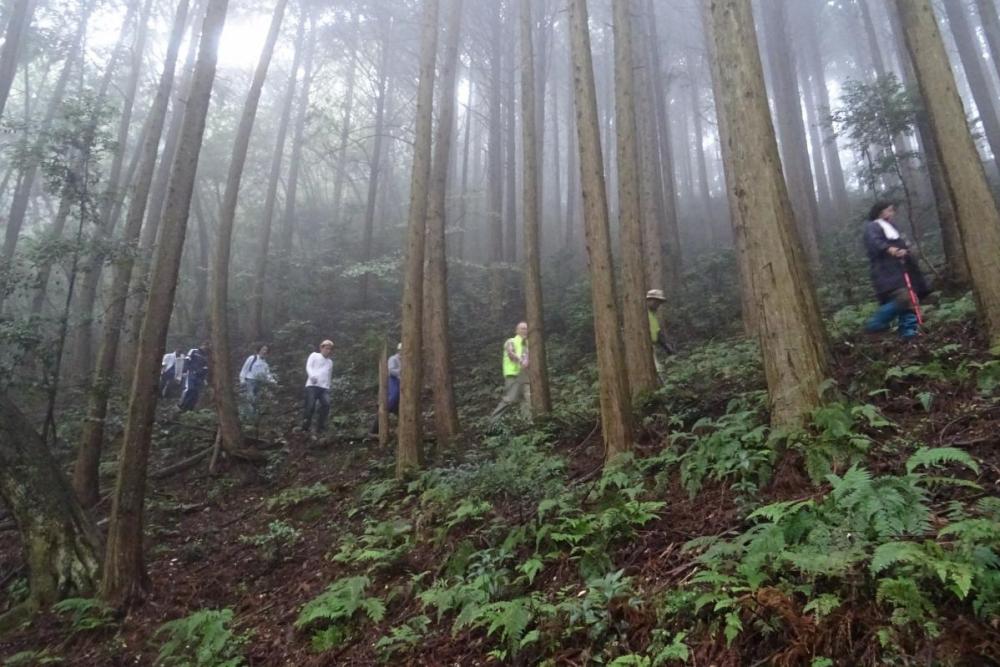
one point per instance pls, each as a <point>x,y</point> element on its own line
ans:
<point>896,277</point>
<point>186,372</point>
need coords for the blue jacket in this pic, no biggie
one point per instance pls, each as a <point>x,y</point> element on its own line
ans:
<point>886,270</point>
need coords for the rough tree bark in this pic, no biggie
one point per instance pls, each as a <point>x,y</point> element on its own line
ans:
<point>510,136</point>
<point>222,374</point>
<point>616,417</point>
<point>436,269</point>
<point>638,350</point>
<point>538,373</point>
<point>85,471</point>
<point>60,543</point>
<point>975,208</point>
<point>410,416</point>
<point>124,579</point>
<point>271,195</point>
<point>789,328</point>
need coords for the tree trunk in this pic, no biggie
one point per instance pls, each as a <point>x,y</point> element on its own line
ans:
<point>124,579</point>
<point>85,471</point>
<point>222,373</point>
<point>260,263</point>
<point>835,170</point>
<point>970,54</point>
<point>345,129</point>
<point>375,160</point>
<point>616,416</point>
<point>158,193</point>
<point>383,396</point>
<point>990,20</point>
<point>789,328</point>
<point>538,374</point>
<point>957,269</point>
<point>794,149</point>
<point>820,181</point>
<point>17,29</point>
<point>975,208</point>
<point>436,276</point>
<point>288,230</point>
<point>60,544</point>
<point>510,137</point>
<point>463,203</point>
<point>669,231</point>
<point>638,348</point>
<point>410,416</point>
<point>704,192</point>
<point>494,167</point>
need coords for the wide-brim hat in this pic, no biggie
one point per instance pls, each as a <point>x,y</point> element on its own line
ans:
<point>656,294</point>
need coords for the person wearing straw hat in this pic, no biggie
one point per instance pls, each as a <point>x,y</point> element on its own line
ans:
<point>319,368</point>
<point>655,299</point>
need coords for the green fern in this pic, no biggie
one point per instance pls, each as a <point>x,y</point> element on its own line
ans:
<point>202,639</point>
<point>935,457</point>
<point>341,600</point>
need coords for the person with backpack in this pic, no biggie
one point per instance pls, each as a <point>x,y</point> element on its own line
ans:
<point>896,277</point>
<point>254,374</point>
<point>195,377</point>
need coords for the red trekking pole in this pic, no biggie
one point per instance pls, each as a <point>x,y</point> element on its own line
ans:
<point>913,295</point>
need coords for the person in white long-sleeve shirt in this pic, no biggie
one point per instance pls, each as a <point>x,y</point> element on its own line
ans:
<point>254,374</point>
<point>319,368</point>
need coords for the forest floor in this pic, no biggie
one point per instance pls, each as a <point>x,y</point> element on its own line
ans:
<point>514,549</point>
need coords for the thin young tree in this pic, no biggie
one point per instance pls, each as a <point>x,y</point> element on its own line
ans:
<point>436,272</point>
<point>271,194</point>
<point>975,208</point>
<point>85,470</point>
<point>345,125</point>
<point>411,384</point>
<point>638,349</point>
<point>538,373</point>
<point>222,384</point>
<point>789,329</point>
<point>124,579</point>
<point>616,416</point>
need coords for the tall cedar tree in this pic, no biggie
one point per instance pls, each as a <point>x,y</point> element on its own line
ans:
<point>616,416</point>
<point>410,415</point>
<point>541,400</point>
<point>956,268</point>
<point>60,543</point>
<point>975,207</point>
<point>789,328</point>
<point>222,375</point>
<point>125,580</point>
<point>85,471</point>
<point>638,350</point>
<point>436,275</point>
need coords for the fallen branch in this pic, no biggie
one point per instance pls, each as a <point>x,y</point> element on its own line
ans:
<point>189,462</point>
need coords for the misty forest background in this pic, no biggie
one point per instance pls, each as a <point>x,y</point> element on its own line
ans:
<point>178,173</point>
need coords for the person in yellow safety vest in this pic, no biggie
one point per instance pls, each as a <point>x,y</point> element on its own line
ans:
<point>655,299</point>
<point>516,389</point>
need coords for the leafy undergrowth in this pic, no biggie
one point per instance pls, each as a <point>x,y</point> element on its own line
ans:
<point>869,538</point>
